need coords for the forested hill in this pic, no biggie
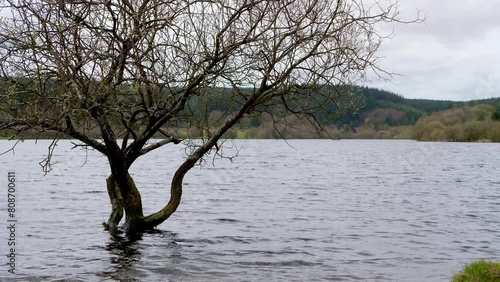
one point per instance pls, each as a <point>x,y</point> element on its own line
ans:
<point>376,114</point>
<point>384,107</point>
<point>375,111</point>
<point>371,106</point>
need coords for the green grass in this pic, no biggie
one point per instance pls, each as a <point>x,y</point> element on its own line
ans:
<point>480,271</point>
<point>241,134</point>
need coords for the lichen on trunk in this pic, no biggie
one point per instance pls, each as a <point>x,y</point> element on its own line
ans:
<point>132,203</point>
<point>125,199</point>
<point>116,205</point>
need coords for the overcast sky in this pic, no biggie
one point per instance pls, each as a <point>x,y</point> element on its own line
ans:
<point>452,56</point>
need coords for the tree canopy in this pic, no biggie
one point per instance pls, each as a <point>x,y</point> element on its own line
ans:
<point>113,74</point>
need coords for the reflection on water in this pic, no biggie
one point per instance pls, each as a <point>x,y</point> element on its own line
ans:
<point>312,211</point>
<point>125,252</point>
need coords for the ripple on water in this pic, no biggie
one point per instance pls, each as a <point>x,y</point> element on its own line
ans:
<point>320,211</point>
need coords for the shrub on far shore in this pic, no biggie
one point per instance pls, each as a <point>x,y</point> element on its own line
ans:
<point>480,271</point>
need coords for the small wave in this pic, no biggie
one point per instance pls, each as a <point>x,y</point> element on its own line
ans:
<point>217,240</point>
<point>303,239</point>
<point>227,220</point>
<point>344,278</point>
<point>237,239</point>
<point>290,263</point>
<point>365,254</point>
<point>28,278</point>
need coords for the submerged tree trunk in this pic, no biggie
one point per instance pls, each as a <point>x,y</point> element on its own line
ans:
<point>132,204</point>
<point>157,218</point>
<point>124,197</point>
<point>116,204</point>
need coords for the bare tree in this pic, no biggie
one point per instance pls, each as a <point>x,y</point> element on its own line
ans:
<point>114,74</point>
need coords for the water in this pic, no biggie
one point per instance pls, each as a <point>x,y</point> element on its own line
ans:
<point>317,210</point>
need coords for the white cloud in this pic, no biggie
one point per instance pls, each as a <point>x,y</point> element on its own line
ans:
<point>453,56</point>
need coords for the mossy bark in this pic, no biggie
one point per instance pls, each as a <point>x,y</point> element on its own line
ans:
<point>116,204</point>
<point>125,199</point>
<point>132,204</point>
<point>157,218</point>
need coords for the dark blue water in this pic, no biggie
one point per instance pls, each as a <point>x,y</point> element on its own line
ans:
<point>315,210</point>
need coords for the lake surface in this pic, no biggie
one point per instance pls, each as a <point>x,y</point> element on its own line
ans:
<point>309,210</point>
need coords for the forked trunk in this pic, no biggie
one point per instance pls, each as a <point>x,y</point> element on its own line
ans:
<point>116,205</point>
<point>124,197</point>
<point>132,203</point>
<point>157,218</point>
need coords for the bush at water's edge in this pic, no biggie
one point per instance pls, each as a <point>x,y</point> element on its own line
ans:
<point>480,271</point>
